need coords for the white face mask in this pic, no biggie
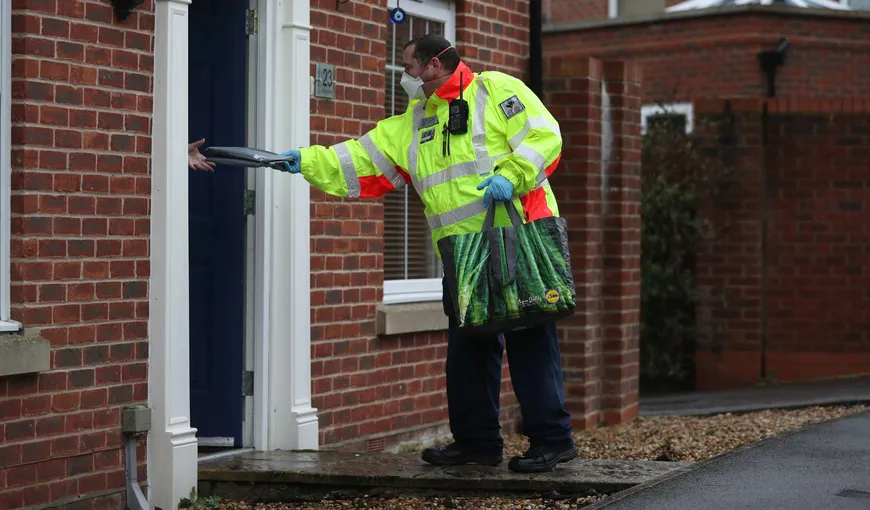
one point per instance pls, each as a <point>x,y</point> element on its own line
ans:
<point>413,86</point>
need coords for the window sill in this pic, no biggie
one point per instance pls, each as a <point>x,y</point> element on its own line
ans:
<point>24,355</point>
<point>9,326</point>
<point>397,319</point>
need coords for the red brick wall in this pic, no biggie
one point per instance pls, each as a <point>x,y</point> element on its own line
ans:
<point>715,56</point>
<point>572,11</point>
<point>600,343</point>
<point>364,385</point>
<point>815,293</point>
<point>493,35</point>
<point>81,113</point>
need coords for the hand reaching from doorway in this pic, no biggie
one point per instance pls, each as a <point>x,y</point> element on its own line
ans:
<point>195,159</point>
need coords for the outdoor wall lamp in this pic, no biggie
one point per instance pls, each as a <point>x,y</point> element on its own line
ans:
<point>124,8</point>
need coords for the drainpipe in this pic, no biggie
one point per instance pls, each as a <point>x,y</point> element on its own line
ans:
<point>770,61</point>
<point>135,421</point>
<point>536,45</point>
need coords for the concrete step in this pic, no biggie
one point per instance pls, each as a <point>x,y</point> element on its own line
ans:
<point>304,475</point>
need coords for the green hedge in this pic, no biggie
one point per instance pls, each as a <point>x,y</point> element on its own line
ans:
<point>677,177</point>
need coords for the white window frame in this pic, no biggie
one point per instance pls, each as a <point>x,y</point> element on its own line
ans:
<point>612,8</point>
<point>651,110</point>
<point>6,324</point>
<point>423,289</point>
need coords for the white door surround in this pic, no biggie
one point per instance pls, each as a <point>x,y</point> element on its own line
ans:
<point>283,416</point>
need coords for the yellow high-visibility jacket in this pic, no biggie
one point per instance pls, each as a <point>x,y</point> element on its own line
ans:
<point>509,132</point>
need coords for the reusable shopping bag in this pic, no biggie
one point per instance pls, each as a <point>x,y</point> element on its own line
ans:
<point>507,278</point>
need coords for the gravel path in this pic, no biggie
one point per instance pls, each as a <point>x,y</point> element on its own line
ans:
<point>677,438</point>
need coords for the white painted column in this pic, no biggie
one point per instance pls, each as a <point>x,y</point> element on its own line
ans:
<point>172,459</point>
<point>284,418</point>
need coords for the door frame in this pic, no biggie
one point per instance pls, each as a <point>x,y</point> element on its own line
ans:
<point>280,255</point>
<point>279,248</point>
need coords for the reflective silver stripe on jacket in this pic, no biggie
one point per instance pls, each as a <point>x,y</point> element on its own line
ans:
<point>534,157</point>
<point>381,161</point>
<point>348,169</point>
<point>419,111</point>
<point>466,211</point>
<point>478,130</point>
<point>533,122</point>
<point>456,215</point>
<point>450,173</point>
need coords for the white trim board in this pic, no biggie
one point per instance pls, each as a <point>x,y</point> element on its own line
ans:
<point>412,291</point>
<point>172,445</point>
<point>6,324</point>
<point>283,416</point>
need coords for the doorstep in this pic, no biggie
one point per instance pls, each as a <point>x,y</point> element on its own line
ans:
<point>289,476</point>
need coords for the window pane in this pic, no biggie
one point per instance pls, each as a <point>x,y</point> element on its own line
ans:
<point>667,122</point>
<point>408,250</point>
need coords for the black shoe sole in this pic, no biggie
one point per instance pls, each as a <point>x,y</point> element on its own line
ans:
<point>563,457</point>
<point>480,460</point>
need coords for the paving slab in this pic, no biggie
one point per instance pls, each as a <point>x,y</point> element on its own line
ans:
<point>822,466</point>
<point>854,390</point>
<point>259,473</point>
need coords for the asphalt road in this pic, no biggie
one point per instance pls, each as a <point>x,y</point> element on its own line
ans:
<point>826,466</point>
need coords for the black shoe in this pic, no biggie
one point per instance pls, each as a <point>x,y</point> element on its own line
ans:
<point>454,455</point>
<point>538,459</point>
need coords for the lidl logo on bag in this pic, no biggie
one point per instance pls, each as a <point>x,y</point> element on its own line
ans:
<point>553,296</point>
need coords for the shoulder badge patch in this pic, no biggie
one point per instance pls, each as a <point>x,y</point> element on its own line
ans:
<point>511,106</point>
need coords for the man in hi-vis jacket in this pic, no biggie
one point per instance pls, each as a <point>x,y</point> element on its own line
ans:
<point>504,149</point>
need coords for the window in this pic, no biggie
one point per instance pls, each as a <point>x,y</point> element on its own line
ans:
<point>5,161</point>
<point>679,115</point>
<point>412,271</point>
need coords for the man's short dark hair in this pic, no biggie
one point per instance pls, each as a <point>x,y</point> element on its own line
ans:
<point>430,45</point>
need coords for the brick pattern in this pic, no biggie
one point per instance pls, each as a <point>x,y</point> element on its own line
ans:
<point>364,385</point>
<point>729,267</point>
<point>493,35</point>
<point>576,85</point>
<point>815,293</point>
<point>81,114</point>
<point>715,56</point>
<point>621,251</point>
<point>599,343</point>
<point>572,11</point>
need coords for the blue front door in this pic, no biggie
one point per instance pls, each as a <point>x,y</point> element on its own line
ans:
<point>217,74</point>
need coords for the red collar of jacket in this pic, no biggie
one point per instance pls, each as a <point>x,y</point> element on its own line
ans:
<point>450,90</point>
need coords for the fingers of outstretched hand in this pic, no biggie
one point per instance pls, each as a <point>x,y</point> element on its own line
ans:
<point>203,166</point>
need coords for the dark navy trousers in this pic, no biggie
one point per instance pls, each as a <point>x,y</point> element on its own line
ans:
<point>474,367</point>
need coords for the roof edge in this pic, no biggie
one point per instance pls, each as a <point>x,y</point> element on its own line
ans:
<point>558,28</point>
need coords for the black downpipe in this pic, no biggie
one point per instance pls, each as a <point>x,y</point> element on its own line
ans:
<point>770,62</point>
<point>764,169</point>
<point>536,48</point>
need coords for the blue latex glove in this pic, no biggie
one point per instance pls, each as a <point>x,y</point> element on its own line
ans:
<point>497,188</point>
<point>294,168</point>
